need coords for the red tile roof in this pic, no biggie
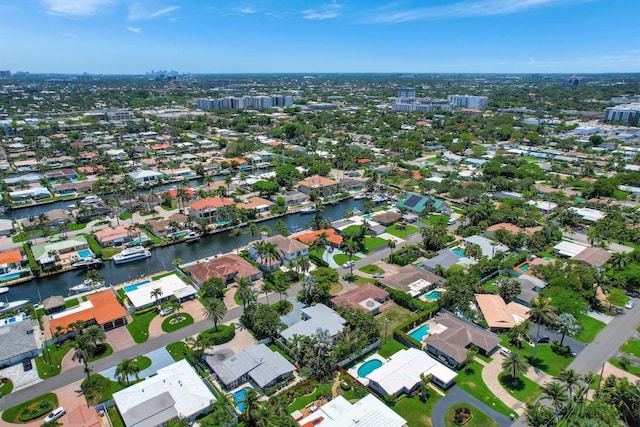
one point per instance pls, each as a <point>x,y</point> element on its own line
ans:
<point>212,202</point>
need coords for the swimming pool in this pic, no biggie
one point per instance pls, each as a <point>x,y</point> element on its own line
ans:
<point>369,366</point>
<point>458,251</point>
<point>238,398</point>
<point>433,295</point>
<point>420,333</point>
<point>524,267</point>
<point>366,216</point>
<point>9,276</point>
<point>136,286</point>
<point>85,253</point>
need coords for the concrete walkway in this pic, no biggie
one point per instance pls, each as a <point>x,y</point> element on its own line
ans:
<point>457,395</point>
<point>490,375</point>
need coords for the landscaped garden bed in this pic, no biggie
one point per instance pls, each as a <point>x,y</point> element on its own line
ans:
<point>176,321</point>
<point>31,410</point>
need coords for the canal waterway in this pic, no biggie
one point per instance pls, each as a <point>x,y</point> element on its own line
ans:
<point>162,258</point>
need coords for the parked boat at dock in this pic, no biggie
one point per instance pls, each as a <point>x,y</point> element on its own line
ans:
<point>87,285</point>
<point>87,263</point>
<point>11,305</point>
<point>131,254</point>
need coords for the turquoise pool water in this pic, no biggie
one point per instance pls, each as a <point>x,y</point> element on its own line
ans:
<point>238,398</point>
<point>367,216</point>
<point>138,241</point>
<point>546,258</point>
<point>458,251</point>
<point>85,253</point>
<point>9,276</point>
<point>136,286</point>
<point>420,333</point>
<point>524,267</point>
<point>433,295</point>
<point>369,366</point>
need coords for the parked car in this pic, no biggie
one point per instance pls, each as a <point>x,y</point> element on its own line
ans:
<point>166,311</point>
<point>629,305</point>
<point>348,264</point>
<point>55,414</point>
<point>543,339</point>
<point>26,365</point>
<point>452,221</point>
<point>378,275</point>
<point>505,351</point>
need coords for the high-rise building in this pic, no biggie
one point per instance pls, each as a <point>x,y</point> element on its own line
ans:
<point>628,113</point>
<point>407,93</point>
<point>469,101</point>
<point>238,103</point>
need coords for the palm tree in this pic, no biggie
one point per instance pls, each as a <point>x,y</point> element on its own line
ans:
<point>566,324</point>
<point>271,254</point>
<point>424,386</point>
<point>156,293</point>
<point>197,345</point>
<point>391,244</point>
<point>266,288</point>
<point>350,247</point>
<point>571,380</point>
<point>214,310</point>
<point>304,265</point>
<point>235,234</point>
<point>244,291</point>
<point>84,349</point>
<point>556,393</point>
<point>515,365</point>
<point>96,334</point>
<point>619,260</point>
<point>261,248</point>
<point>540,312</point>
<point>125,369</point>
<point>320,243</point>
<point>253,230</point>
<point>251,405</point>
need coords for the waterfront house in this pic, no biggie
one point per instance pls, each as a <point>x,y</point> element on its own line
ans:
<point>117,236</point>
<point>101,308</point>
<point>18,340</point>
<point>227,267</point>
<point>324,186</point>
<point>214,209</point>
<point>289,249</point>
<point>59,250</point>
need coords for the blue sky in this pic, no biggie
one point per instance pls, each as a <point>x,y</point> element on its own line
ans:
<point>270,36</point>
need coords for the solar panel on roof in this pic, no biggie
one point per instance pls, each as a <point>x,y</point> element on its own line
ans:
<point>412,201</point>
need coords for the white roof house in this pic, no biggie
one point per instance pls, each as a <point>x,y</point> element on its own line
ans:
<point>176,391</point>
<point>568,249</point>
<point>543,206</point>
<point>588,214</point>
<point>140,297</point>
<point>489,247</point>
<point>401,374</point>
<point>316,317</point>
<point>145,175</point>
<point>339,412</point>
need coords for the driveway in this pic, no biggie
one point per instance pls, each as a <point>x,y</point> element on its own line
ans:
<point>576,346</point>
<point>457,395</point>
<point>19,377</point>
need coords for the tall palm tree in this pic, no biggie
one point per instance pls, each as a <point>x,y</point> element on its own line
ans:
<point>125,369</point>
<point>540,312</point>
<point>96,334</point>
<point>304,265</point>
<point>214,310</point>
<point>272,254</point>
<point>156,293</point>
<point>556,394</point>
<point>619,260</point>
<point>261,248</point>
<point>571,380</point>
<point>266,288</point>
<point>515,365</point>
<point>251,404</point>
<point>197,345</point>
<point>391,244</point>
<point>244,291</point>
<point>253,230</point>
<point>83,350</point>
<point>350,247</point>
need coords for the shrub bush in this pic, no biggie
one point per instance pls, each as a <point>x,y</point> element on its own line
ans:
<point>562,350</point>
<point>144,311</point>
<point>33,412</point>
<point>224,334</point>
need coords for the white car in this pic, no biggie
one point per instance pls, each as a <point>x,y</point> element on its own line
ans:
<point>348,264</point>
<point>505,351</point>
<point>166,311</point>
<point>451,221</point>
<point>55,414</point>
<point>629,305</point>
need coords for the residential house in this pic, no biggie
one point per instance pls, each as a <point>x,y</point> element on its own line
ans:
<point>175,392</point>
<point>61,250</point>
<point>289,249</point>
<point>257,364</point>
<point>530,287</point>
<point>214,209</point>
<point>259,204</point>
<point>338,412</point>
<point>117,236</point>
<point>11,260</point>
<point>367,297</point>
<point>145,176</point>
<point>387,218</point>
<point>412,280</point>
<point>19,340</point>
<point>160,228</point>
<point>501,316</point>
<point>489,247</point>
<point>324,186</point>
<point>101,308</point>
<point>227,267</point>
<point>294,197</point>
<point>35,193</point>
<point>313,319</point>
<point>445,259</point>
<point>419,203</point>
<point>596,257</point>
<point>450,337</point>
<point>171,286</point>
<point>333,238</point>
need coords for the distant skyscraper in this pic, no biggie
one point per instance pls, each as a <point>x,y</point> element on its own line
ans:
<point>468,101</point>
<point>627,113</point>
<point>406,92</point>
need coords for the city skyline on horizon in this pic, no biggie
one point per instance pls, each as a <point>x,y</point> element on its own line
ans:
<point>128,37</point>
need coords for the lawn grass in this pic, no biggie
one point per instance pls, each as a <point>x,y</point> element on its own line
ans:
<point>55,354</point>
<point>277,349</point>
<point>75,227</point>
<point>590,328</point>
<point>484,358</point>
<point>371,269</point>
<point>470,380</point>
<point>340,259</point>
<point>7,387</point>
<point>143,362</point>
<point>546,359</point>
<point>139,326</point>
<point>457,210</point>
<point>394,230</point>
<point>414,411</point>
<point>336,288</point>
<point>396,315</point>
<point>12,415</point>
<point>302,401</point>
<point>167,326</point>
<point>478,418</point>
<point>71,303</point>
<point>114,416</point>
<point>631,347</point>
<point>525,390</point>
<point>437,219</point>
<point>178,350</point>
<point>103,350</point>
<point>359,280</point>
<point>632,369</point>
<point>390,348</point>
<point>371,243</point>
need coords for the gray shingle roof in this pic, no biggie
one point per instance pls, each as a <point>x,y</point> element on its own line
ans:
<point>15,339</point>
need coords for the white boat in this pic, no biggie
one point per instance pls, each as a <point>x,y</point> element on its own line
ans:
<point>5,306</point>
<point>87,263</point>
<point>4,289</point>
<point>91,200</point>
<point>359,196</point>
<point>191,237</point>
<point>131,254</point>
<point>308,210</point>
<point>87,285</point>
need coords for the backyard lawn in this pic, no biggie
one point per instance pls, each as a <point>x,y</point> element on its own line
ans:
<point>371,243</point>
<point>302,401</point>
<point>139,326</point>
<point>523,389</point>
<point>371,269</point>
<point>473,384</point>
<point>400,232</point>
<point>414,411</point>
<point>390,348</point>
<point>479,418</point>
<point>396,315</point>
<point>590,328</point>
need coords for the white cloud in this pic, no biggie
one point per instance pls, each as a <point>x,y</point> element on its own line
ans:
<point>76,8</point>
<point>134,29</point>
<point>247,10</point>
<point>140,11</point>
<point>325,11</point>
<point>391,15</point>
